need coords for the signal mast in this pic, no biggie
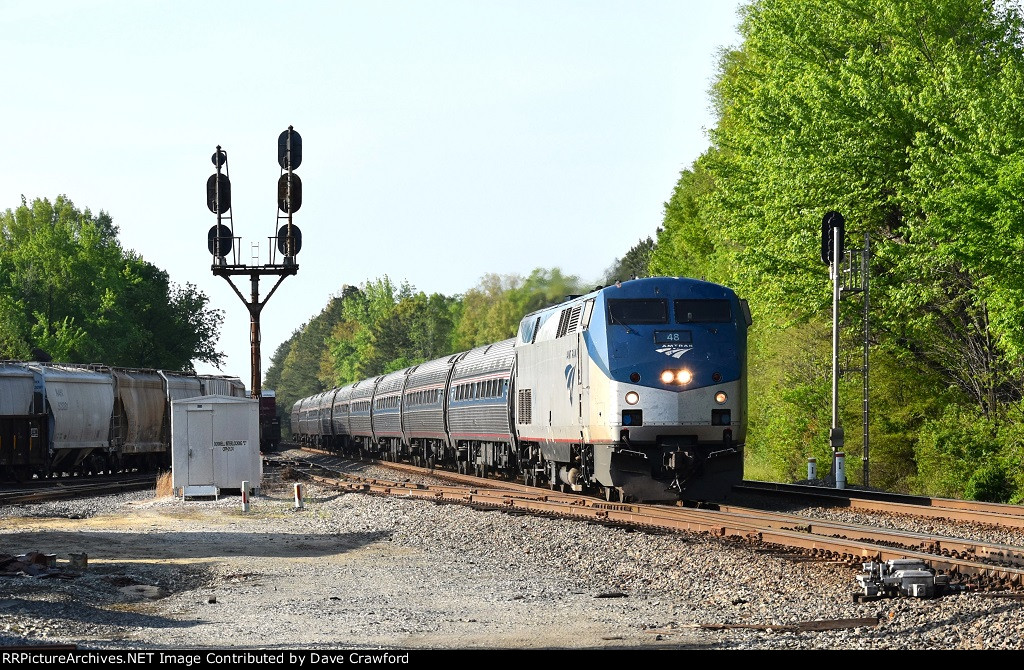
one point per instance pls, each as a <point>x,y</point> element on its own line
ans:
<point>287,239</point>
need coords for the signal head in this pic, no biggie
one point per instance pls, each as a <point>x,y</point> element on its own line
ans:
<point>289,149</point>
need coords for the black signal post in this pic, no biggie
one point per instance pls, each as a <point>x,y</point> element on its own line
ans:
<point>285,243</point>
<point>832,233</point>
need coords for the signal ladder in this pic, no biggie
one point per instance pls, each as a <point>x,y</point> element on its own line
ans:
<point>853,274</point>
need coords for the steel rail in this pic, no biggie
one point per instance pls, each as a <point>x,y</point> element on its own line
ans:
<point>749,527</point>
<point>941,545</point>
<point>998,514</point>
<point>849,541</point>
<point>63,489</point>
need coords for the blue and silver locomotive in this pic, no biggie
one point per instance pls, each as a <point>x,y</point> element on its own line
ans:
<point>636,390</point>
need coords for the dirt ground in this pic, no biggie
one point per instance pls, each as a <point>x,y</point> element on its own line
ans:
<point>165,573</point>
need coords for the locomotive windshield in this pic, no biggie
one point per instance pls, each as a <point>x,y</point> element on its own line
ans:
<point>638,311</point>
<point>696,311</point>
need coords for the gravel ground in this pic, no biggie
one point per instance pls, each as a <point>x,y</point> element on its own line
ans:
<point>354,571</point>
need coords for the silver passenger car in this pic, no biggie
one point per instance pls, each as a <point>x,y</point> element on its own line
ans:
<point>423,413</point>
<point>342,434</point>
<point>387,412</point>
<point>360,419</point>
<point>480,422</point>
<point>323,428</point>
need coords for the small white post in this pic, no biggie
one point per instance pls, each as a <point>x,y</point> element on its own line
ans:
<point>245,496</point>
<point>298,496</point>
<point>812,468</point>
<point>840,470</point>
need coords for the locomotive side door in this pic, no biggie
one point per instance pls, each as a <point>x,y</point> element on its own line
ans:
<point>581,385</point>
<point>583,372</point>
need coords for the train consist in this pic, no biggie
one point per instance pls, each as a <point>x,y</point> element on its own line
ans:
<point>58,419</point>
<point>636,391</point>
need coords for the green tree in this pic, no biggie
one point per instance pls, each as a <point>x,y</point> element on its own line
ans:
<point>635,264</point>
<point>13,330</point>
<point>896,114</point>
<point>272,378</point>
<point>492,310</point>
<point>688,240</point>
<point>302,371</point>
<point>385,327</point>
<point>82,298</point>
<point>902,116</point>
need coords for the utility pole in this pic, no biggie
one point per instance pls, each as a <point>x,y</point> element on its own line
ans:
<point>288,238</point>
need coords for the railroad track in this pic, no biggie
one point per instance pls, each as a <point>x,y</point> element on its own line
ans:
<point>971,511</point>
<point>976,564</point>
<point>64,489</point>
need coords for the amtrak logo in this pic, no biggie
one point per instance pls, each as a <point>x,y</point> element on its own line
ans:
<point>570,376</point>
<point>674,350</point>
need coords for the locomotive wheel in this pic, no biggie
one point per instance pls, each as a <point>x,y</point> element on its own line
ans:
<point>611,494</point>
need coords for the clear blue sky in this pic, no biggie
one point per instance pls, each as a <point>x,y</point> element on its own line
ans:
<point>442,139</point>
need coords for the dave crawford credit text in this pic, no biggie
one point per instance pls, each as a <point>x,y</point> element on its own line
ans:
<point>211,657</point>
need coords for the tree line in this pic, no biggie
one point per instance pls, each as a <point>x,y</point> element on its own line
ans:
<point>904,116</point>
<point>70,293</point>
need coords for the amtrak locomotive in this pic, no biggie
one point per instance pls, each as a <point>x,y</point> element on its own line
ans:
<point>636,391</point>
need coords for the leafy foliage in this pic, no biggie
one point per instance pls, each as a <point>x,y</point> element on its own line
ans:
<point>492,310</point>
<point>70,292</point>
<point>384,328</point>
<point>688,241</point>
<point>901,115</point>
<point>635,264</point>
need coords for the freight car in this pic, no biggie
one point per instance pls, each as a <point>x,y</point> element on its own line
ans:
<point>636,390</point>
<point>63,419</point>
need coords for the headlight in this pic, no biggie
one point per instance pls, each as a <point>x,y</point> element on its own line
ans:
<point>676,376</point>
<point>632,398</point>
<point>720,397</point>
